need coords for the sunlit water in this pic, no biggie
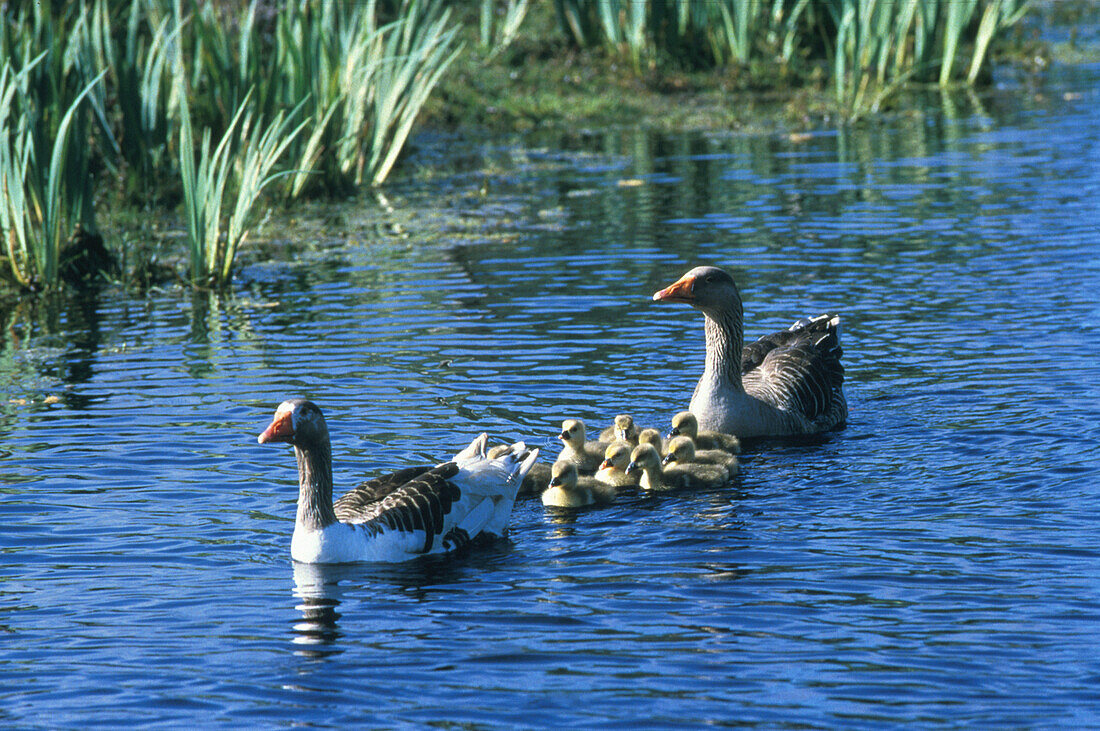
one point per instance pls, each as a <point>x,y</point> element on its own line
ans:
<point>934,562</point>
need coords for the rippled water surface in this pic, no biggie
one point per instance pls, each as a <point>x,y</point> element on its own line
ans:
<point>934,562</point>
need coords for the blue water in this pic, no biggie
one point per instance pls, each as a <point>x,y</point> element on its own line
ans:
<point>935,562</point>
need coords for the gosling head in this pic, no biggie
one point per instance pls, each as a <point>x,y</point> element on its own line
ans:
<point>616,456</point>
<point>624,427</point>
<point>298,422</point>
<point>572,433</point>
<point>680,449</point>
<point>651,437</point>
<point>686,424</point>
<point>644,457</point>
<point>564,475</point>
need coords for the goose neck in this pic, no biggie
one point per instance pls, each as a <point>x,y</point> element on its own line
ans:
<point>315,486</point>
<point>725,340</point>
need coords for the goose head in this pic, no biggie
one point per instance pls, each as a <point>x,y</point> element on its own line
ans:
<point>684,424</point>
<point>644,457</point>
<point>709,289</point>
<point>572,433</point>
<point>680,449</point>
<point>298,422</point>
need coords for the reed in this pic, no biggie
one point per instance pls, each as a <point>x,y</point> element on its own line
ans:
<point>871,47</point>
<point>51,100</point>
<point>499,26</point>
<point>362,83</point>
<point>220,194</point>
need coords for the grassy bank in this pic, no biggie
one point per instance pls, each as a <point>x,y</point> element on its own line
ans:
<point>208,114</point>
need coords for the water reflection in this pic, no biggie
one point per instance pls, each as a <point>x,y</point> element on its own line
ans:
<point>318,588</point>
<point>48,344</point>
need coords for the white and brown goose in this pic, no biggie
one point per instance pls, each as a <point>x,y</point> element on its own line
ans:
<point>786,383</point>
<point>396,517</point>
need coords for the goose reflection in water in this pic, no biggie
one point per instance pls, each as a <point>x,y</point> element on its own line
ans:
<point>318,588</point>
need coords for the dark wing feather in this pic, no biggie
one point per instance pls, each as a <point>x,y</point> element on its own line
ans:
<point>797,370</point>
<point>358,502</point>
<point>419,504</point>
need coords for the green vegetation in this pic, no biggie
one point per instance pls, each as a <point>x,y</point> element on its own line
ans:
<point>354,82</point>
<point>209,108</point>
<point>870,46</point>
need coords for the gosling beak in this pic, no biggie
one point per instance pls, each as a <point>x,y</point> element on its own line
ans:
<point>672,433</point>
<point>555,482</point>
<point>680,291</point>
<point>633,467</point>
<point>606,464</point>
<point>563,436</point>
<point>668,458</point>
<point>280,430</point>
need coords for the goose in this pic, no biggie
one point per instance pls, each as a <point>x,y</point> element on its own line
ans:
<point>682,451</point>
<point>644,459</point>
<point>586,455</point>
<point>685,424</point>
<point>786,383</point>
<point>623,429</point>
<point>570,490</point>
<point>536,479</point>
<point>613,468</point>
<point>396,517</point>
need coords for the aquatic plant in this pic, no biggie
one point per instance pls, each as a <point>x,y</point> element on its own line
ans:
<point>870,47</point>
<point>362,83</point>
<point>232,176</point>
<point>496,35</point>
<point>50,95</point>
<point>138,70</point>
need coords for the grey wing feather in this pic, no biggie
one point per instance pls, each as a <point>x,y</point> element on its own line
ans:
<point>797,370</point>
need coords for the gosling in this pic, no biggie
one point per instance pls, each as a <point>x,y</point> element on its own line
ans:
<point>685,424</point>
<point>613,468</point>
<point>623,429</point>
<point>567,489</point>
<point>644,459</point>
<point>586,455</point>
<point>654,438</point>
<point>682,451</point>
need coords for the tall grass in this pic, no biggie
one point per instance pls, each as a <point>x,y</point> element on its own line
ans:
<point>499,26</point>
<point>870,47</point>
<point>363,83</point>
<point>220,194</point>
<point>51,100</point>
<point>123,87</point>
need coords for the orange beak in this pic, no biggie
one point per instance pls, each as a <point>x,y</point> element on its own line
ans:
<point>680,291</point>
<point>280,430</point>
